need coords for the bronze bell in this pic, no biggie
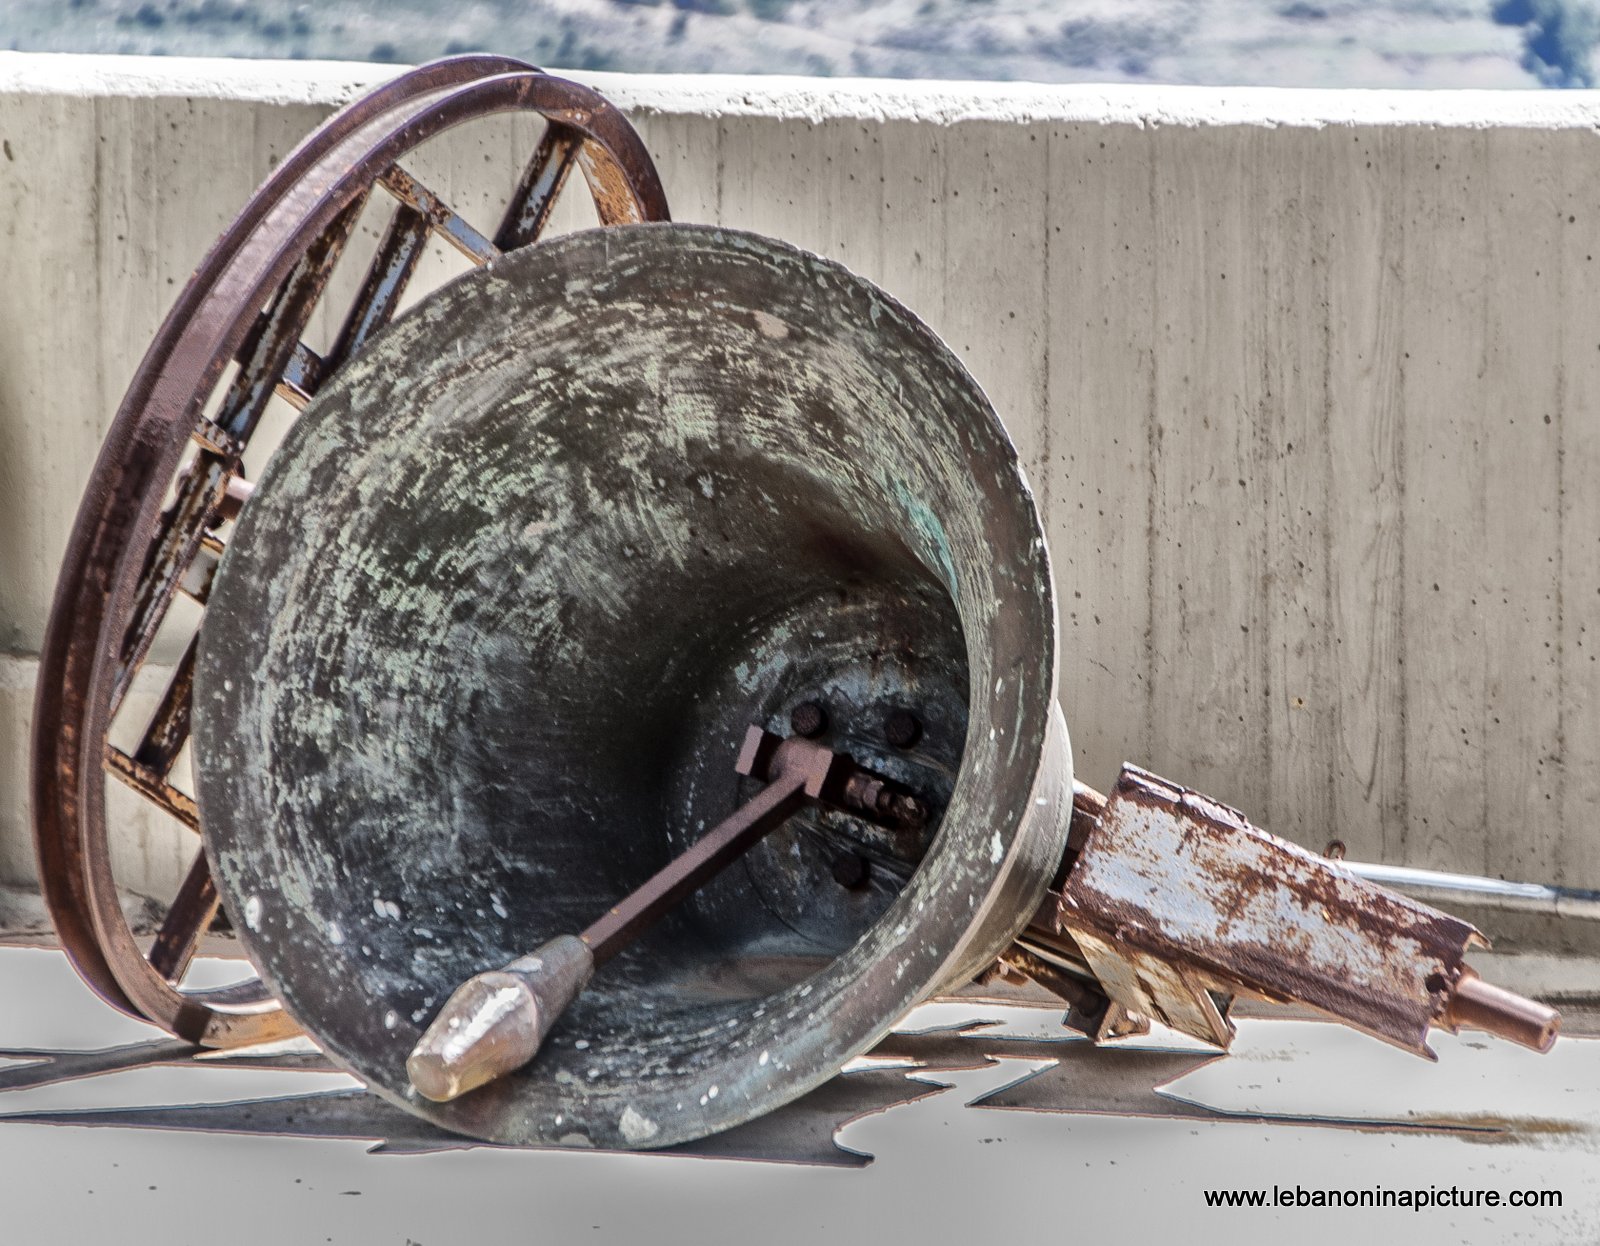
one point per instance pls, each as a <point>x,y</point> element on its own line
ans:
<point>507,602</point>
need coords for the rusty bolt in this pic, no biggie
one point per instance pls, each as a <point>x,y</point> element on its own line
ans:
<point>850,871</point>
<point>808,720</point>
<point>902,728</point>
<point>882,801</point>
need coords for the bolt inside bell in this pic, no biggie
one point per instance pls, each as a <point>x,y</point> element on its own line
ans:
<point>484,645</point>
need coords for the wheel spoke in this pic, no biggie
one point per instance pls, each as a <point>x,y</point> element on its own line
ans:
<point>529,211</point>
<point>178,537</point>
<point>276,347</point>
<point>439,214</point>
<point>168,731</point>
<point>202,489</point>
<point>616,199</point>
<point>264,367</point>
<point>392,267</point>
<point>153,787</point>
<point>190,916</point>
<point>196,582</point>
<point>301,376</point>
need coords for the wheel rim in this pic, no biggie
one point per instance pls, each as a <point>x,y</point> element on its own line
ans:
<point>128,558</point>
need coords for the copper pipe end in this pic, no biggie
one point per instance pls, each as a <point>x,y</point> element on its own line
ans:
<point>1478,1005</point>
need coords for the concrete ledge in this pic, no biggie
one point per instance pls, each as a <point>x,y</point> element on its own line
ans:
<point>137,77</point>
<point>817,100</point>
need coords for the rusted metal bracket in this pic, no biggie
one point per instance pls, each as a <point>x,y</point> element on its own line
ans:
<point>1176,905</point>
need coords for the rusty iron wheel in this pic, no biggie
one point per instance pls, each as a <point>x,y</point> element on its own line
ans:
<point>151,526</point>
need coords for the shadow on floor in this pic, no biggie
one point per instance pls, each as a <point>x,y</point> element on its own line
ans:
<point>1075,1078</point>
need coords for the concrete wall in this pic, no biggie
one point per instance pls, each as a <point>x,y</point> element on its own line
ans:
<point>1308,385</point>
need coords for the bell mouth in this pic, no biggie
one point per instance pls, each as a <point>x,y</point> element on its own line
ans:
<point>483,646</point>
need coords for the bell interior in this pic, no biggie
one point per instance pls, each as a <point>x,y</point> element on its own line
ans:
<point>575,710</point>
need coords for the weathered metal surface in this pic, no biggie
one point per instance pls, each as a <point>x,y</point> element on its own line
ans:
<point>1178,903</point>
<point>399,252</point>
<point>186,921</point>
<point>196,582</point>
<point>153,787</point>
<point>538,188</point>
<point>441,217</point>
<point>808,720</point>
<point>902,728</point>
<point>787,787</point>
<point>495,1022</point>
<point>597,508</point>
<point>126,558</point>
<point>204,485</point>
<point>168,729</point>
<point>1089,1011</point>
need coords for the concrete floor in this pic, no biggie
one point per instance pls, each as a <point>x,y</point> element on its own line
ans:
<point>1298,1103</point>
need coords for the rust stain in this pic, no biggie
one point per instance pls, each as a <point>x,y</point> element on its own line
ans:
<point>1180,899</point>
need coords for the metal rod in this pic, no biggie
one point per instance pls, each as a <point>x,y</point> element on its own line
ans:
<point>1479,1005</point>
<point>1083,996</point>
<point>496,1021</point>
<point>188,919</point>
<point>529,210</point>
<point>1435,887</point>
<point>153,787</point>
<point>168,729</point>
<point>450,226</point>
<point>687,873</point>
<point>399,253</point>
